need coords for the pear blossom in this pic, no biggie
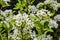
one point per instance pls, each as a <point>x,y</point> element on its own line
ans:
<point>32,14</point>
<point>23,23</point>
<point>32,35</point>
<point>14,35</point>
<point>43,12</point>
<point>55,6</point>
<point>32,9</point>
<point>21,19</point>
<point>52,3</point>
<point>53,24</point>
<point>6,12</point>
<point>57,17</point>
<point>45,37</point>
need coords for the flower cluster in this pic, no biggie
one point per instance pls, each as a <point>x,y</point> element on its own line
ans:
<point>52,3</point>
<point>23,18</point>
<point>52,24</point>
<point>57,17</point>
<point>32,23</point>
<point>23,21</point>
<point>45,37</point>
<point>32,9</point>
<point>43,12</point>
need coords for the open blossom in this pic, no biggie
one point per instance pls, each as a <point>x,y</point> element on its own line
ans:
<point>52,4</point>
<point>15,31</point>
<point>32,35</point>
<point>6,12</point>
<point>23,18</point>
<point>14,34</point>
<point>32,9</point>
<point>53,24</point>
<point>55,6</point>
<point>43,12</point>
<point>32,22</point>
<point>45,37</point>
<point>57,17</point>
<point>32,15</point>
<point>14,37</point>
<point>49,1</point>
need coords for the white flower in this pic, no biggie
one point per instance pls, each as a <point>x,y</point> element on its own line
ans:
<point>55,6</point>
<point>6,12</point>
<point>30,23</point>
<point>52,24</point>
<point>45,37</point>
<point>32,34</point>
<point>52,3</point>
<point>49,13</point>
<point>43,12</point>
<point>25,17</point>
<point>57,17</point>
<point>13,37</point>
<point>24,20</point>
<point>32,14</point>
<point>15,31</point>
<point>32,9</point>
<point>49,37</point>
<point>49,1</point>
<point>20,18</point>
<point>8,19</point>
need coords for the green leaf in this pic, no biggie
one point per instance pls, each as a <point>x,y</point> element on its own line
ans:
<point>46,24</point>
